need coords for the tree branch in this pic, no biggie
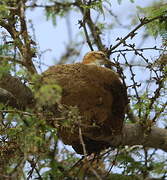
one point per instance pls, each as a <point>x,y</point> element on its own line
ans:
<point>20,35</point>
<point>131,34</point>
<point>139,49</point>
<point>15,89</point>
<point>8,99</point>
<point>82,23</point>
<point>135,134</point>
<point>12,59</point>
<point>95,31</point>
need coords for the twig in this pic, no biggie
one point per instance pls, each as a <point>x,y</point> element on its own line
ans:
<point>138,49</point>
<point>33,165</point>
<point>82,141</point>
<point>56,4</point>
<point>159,112</point>
<point>12,59</point>
<point>95,31</point>
<point>156,94</point>
<point>20,36</point>
<point>28,53</point>
<point>17,111</point>
<point>113,163</point>
<point>76,164</point>
<point>82,24</point>
<point>135,85</point>
<point>141,55</point>
<point>95,173</point>
<point>131,34</point>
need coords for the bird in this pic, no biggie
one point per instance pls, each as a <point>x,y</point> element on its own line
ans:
<point>99,96</point>
<point>97,58</point>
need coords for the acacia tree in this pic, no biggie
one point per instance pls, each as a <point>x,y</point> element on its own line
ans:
<point>29,143</point>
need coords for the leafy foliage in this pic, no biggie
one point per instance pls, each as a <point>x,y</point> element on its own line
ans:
<point>48,94</point>
<point>58,9</point>
<point>159,26</point>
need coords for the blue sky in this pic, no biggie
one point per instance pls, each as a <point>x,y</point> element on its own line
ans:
<point>52,39</point>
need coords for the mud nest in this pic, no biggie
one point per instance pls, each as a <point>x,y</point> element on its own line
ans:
<point>100,98</point>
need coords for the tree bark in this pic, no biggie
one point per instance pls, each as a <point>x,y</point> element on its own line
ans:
<point>135,134</point>
<point>8,99</point>
<point>16,94</point>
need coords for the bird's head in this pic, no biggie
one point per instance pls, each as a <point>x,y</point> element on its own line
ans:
<point>96,58</point>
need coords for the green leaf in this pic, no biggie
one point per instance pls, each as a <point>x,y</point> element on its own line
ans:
<point>5,67</point>
<point>4,11</point>
<point>158,26</point>
<point>48,94</point>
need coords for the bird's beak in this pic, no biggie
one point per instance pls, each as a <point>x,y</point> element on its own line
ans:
<point>107,62</point>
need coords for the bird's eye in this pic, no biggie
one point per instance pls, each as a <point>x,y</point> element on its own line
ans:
<point>103,55</point>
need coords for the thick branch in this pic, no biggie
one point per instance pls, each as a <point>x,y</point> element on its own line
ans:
<point>8,99</point>
<point>157,138</point>
<point>135,134</point>
<point>18,90</point>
